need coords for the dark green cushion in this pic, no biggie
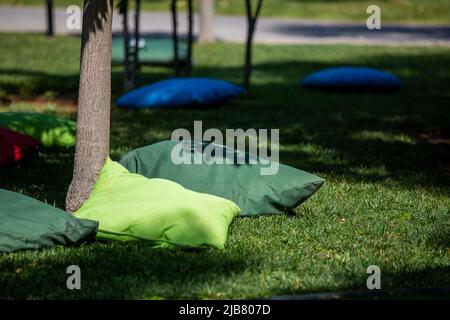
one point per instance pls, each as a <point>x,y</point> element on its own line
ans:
<point>243,184</point>
<point>27,223</point>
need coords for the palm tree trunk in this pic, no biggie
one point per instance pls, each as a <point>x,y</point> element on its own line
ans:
<point>94,101</point>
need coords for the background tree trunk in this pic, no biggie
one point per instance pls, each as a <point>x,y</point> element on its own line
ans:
<point>94,101</point>
<point>190,37</point>
<point>251,27</point>
<point>174,11</point>
<point>127,79</point>
<point>50,16</point>
<point>206,33</point>
<point>136,65</point>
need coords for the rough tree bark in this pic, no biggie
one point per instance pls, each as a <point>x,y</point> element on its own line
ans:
<point>251,26</point>
<point>94,101</point>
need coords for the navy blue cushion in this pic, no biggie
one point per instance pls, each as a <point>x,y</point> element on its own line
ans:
<point>178,93</point>
<point>352,79</point>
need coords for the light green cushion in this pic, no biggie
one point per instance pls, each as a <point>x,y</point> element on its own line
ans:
<point>129,206</point>
<point>50,130</point>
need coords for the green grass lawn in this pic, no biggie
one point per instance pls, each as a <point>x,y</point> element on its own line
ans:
<point>354,10</point>
<point>385,157</point>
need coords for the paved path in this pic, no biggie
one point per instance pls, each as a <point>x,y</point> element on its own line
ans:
<point>232,28</point>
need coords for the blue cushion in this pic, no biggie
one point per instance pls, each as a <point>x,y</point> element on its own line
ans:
<point>352,79</point>
<point>178,93</point>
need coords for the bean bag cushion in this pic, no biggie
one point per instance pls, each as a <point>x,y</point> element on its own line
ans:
<point>354,79</point>
<point>131,207</point>
<point>242,183</point>
<point>50,130</point>
<point>27,223</point>
<point>179,93</point>
<point>15,146</point>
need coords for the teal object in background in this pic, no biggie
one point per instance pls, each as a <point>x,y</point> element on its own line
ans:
<point>151,49</point>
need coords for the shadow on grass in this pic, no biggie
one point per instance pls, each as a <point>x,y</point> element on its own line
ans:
<point>440,238</point>
<point>118,271</point>
<point>406,284</point>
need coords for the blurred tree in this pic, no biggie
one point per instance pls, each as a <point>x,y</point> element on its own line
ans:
<point>129,76</point>
<point>137,15</point>
<point>251,26</point>
<point>94,101</point>
<point>131,57</point>
<point>49,7</point>
<point>206,33</point>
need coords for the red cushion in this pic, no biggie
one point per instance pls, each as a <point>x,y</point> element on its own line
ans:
<point>15,146</point>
